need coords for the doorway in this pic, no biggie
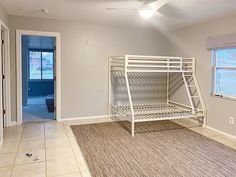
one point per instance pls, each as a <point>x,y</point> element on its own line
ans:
<point>38,76</point>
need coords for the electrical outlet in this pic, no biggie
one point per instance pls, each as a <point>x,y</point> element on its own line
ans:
<point>231,120</point>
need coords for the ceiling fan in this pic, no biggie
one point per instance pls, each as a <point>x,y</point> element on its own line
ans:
<point>147,9</point>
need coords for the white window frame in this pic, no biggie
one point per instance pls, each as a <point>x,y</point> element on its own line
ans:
<point>213,71</point>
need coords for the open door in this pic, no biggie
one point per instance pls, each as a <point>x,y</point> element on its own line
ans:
<point>55,78</point>
<point>1,86</point>
<point>3,57</point>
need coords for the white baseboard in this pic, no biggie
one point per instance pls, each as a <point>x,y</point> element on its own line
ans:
<point>221,132</point>
<point>84,118</point>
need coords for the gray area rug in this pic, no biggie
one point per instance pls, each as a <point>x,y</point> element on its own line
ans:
<point>110,151</point>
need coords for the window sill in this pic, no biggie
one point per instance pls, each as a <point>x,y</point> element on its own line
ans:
<point>41,80</point>
<point>224,97</point>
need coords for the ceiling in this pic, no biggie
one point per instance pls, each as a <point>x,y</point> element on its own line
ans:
<point>175,14</point>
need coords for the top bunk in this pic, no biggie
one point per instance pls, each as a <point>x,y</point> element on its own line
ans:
<point>139,63</point>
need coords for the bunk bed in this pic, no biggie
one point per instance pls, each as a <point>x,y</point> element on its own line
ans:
<point>141,89</point>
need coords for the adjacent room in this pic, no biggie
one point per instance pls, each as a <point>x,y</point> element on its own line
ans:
<point>138,88</point>
<point>37,78</point>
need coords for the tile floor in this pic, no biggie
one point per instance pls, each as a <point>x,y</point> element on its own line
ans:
<point>53,150</point>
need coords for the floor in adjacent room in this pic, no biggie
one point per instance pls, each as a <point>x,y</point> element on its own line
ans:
<point>53,150</point>
<point>36,110</point>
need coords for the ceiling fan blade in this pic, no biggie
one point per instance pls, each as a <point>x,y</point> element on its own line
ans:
<point>121,9</point>
<point>158,4</point>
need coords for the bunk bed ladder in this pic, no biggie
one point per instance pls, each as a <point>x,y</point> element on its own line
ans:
<point>200,97</point>
<point>194,93</point>
<point>188,89</point>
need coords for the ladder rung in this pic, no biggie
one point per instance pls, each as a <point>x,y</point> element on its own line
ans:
<point>188,75</point>
<point>191,86</point>
<point>195,96</point>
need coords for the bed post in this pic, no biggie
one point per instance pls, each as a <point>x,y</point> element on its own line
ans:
<point>109,86</point>
<point>168,82</point>
<point>129,95</point>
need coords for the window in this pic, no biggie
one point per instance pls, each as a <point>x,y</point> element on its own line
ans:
<point>40,65</point>
<point>224,72</point>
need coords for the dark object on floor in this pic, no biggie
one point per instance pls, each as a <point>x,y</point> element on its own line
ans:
<point>110,151</point>
<point>28,155</point>
<point>50,102</point>
<point>36,159</point>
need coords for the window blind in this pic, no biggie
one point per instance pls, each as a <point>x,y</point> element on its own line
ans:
<point>220,42</point>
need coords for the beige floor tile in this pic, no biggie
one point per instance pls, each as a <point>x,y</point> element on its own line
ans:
<point>57,142</point>
<point>29,170</point>
<point>33,137</point>
<point>223,140</point>
<point>7,159</point>
<point>32,125</point>
<point>73,122</point>
<point>71,175</point>
<point>8,147</point>
<point>53,125</point>
<point>12,138</point>
<point>58,152</point>
<point>37,156</point>
<point>205,132</point>
<point>30,146</point>
<point>55,135</point>
<point>70,133</point>
<point>85,173</point>
<point>81,161</point>
<point>197,128</point>
<point>234,147</point>
<point>54,129</point>
<point>229,139</point>
<point>5,172</point>
<point>105,119</point>
<point>33,132</point>
<point>89,121</point>
<point>73,142</point>
<point>62,166</point>
<point>14,130</point>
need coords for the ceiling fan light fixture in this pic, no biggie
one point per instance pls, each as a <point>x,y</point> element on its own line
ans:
<point>146,12</point>
<point>44,11</point>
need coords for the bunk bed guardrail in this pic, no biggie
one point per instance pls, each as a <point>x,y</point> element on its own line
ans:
<point>136,63</point>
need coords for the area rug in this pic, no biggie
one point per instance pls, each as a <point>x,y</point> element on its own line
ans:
<point>110,151</point>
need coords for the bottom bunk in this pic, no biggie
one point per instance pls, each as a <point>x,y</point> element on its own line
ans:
<point>154,112</point>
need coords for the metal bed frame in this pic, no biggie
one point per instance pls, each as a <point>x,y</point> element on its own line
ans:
<point>159,110</point>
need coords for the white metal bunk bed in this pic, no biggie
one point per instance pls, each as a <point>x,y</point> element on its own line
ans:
<point>141,87</point>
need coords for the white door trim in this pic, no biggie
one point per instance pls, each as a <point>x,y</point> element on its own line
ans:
<point>7,75</point>
<point>19,34</point>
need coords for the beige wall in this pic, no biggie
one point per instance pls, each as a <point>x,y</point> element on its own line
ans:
<point>85,49</point>
<point>3,15</point>
<point>191,41</point>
